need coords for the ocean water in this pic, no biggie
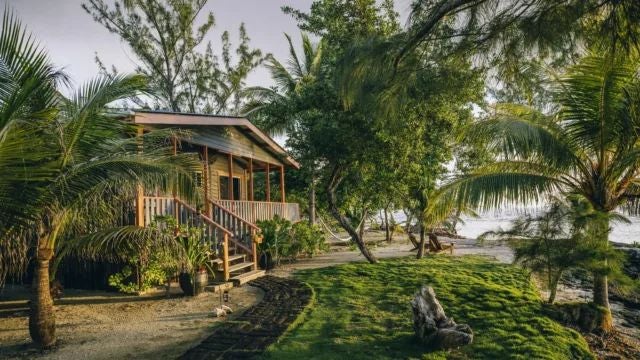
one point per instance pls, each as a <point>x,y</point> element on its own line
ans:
<point>472,227</point>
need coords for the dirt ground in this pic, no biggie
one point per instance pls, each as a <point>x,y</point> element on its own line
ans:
<point>102,325</point>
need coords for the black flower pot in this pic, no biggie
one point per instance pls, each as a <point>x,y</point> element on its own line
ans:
<point>186,284</point>
<point>266,261</point>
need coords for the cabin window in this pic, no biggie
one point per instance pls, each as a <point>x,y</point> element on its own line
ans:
<point>224,188</point>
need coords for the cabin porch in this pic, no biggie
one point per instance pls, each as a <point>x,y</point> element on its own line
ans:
<point>241,181</point>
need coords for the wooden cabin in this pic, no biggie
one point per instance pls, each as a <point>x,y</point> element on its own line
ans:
<point>232,151</point>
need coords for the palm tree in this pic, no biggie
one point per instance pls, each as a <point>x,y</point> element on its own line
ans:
<point>269,107</point>
<point>70,165</point>
<point>289,80</point>
<point>589,148</point>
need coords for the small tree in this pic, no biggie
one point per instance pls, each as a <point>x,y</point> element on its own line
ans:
<point>549,244</point>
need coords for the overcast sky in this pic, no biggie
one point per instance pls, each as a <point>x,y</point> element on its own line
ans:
<point>72,37</point>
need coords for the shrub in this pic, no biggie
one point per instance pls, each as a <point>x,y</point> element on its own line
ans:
<point>284,240</point>
<point>310,238</point>
<point>135,280</point>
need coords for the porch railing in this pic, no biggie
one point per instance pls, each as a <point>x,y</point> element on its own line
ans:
<point>254,211</point>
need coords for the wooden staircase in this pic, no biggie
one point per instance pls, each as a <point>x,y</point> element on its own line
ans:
<point>234,255</point>
<point>240,270</point>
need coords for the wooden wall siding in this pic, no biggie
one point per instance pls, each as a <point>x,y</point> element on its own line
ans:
<point>230,140</point>
<point>219,168</point>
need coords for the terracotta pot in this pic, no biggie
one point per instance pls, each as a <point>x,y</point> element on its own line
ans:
<point>200,282</point>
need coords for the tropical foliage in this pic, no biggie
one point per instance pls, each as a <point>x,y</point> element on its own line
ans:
<point>556,241</point>
<point>283,240</point>
<point>589,148</point>
<point>70,165</point>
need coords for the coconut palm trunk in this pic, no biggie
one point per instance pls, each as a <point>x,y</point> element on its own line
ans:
<point>42,322</point>
<point>422,242</point>
<point>600,280</point>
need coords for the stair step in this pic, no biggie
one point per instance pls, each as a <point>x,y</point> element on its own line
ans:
<point>240,266</point>
<point>218,261</point>
<point>246,277</point>
<point>218,287</point>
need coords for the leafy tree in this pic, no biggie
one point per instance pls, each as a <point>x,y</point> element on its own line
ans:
<point>588,149</point>
<point>273,108</point>
<point>78,165</point>
<point>165,38</point>
<point>341,22</point>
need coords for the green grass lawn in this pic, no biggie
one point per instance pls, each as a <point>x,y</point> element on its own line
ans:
<point>362,311</point>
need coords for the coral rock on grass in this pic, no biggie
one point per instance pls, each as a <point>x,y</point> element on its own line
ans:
<point>433,327</point>
<point>219,312</point>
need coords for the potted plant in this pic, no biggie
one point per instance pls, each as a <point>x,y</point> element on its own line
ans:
<point>195,261</point>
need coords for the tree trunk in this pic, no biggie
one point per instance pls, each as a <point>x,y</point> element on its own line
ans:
<point>421,246</point>
<point>387,232</point>
<point>601,298</point>
<point>455,222</point>
<point>393,226</point>
<point>553,287</point>
<point>42,322</point>
<point>600,282</point>
<point>342,220</point>
<point>312,201</point>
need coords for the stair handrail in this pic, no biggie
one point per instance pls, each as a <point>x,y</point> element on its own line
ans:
<point>254,229</point>
<point>230,212</point>
<point>203,216</point>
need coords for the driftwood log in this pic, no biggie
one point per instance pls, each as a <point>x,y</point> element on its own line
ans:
<point>432,327</point>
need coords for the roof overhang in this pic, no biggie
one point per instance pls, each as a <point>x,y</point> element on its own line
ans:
<point>188,119</point>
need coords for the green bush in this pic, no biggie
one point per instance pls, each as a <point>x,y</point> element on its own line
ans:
<point>129,281</point>
<point>285,240</point>
<point>310,238</point>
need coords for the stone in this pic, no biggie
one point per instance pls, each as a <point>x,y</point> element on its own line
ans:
<point>219,312</point>
<point>431,325</point>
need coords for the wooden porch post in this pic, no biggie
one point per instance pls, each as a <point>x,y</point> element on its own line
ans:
<point>139,221</point>
<point>254,249</point>
<point>250,197</point>
<point>225,257</point>
<point>176,213</point>
<point>230,176</point>
<point>267,183</point>
<point>282,195</point>
<point>140,206</point>
<point>205,180</point>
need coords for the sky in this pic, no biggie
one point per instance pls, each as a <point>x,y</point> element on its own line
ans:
<point>72,38</point>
